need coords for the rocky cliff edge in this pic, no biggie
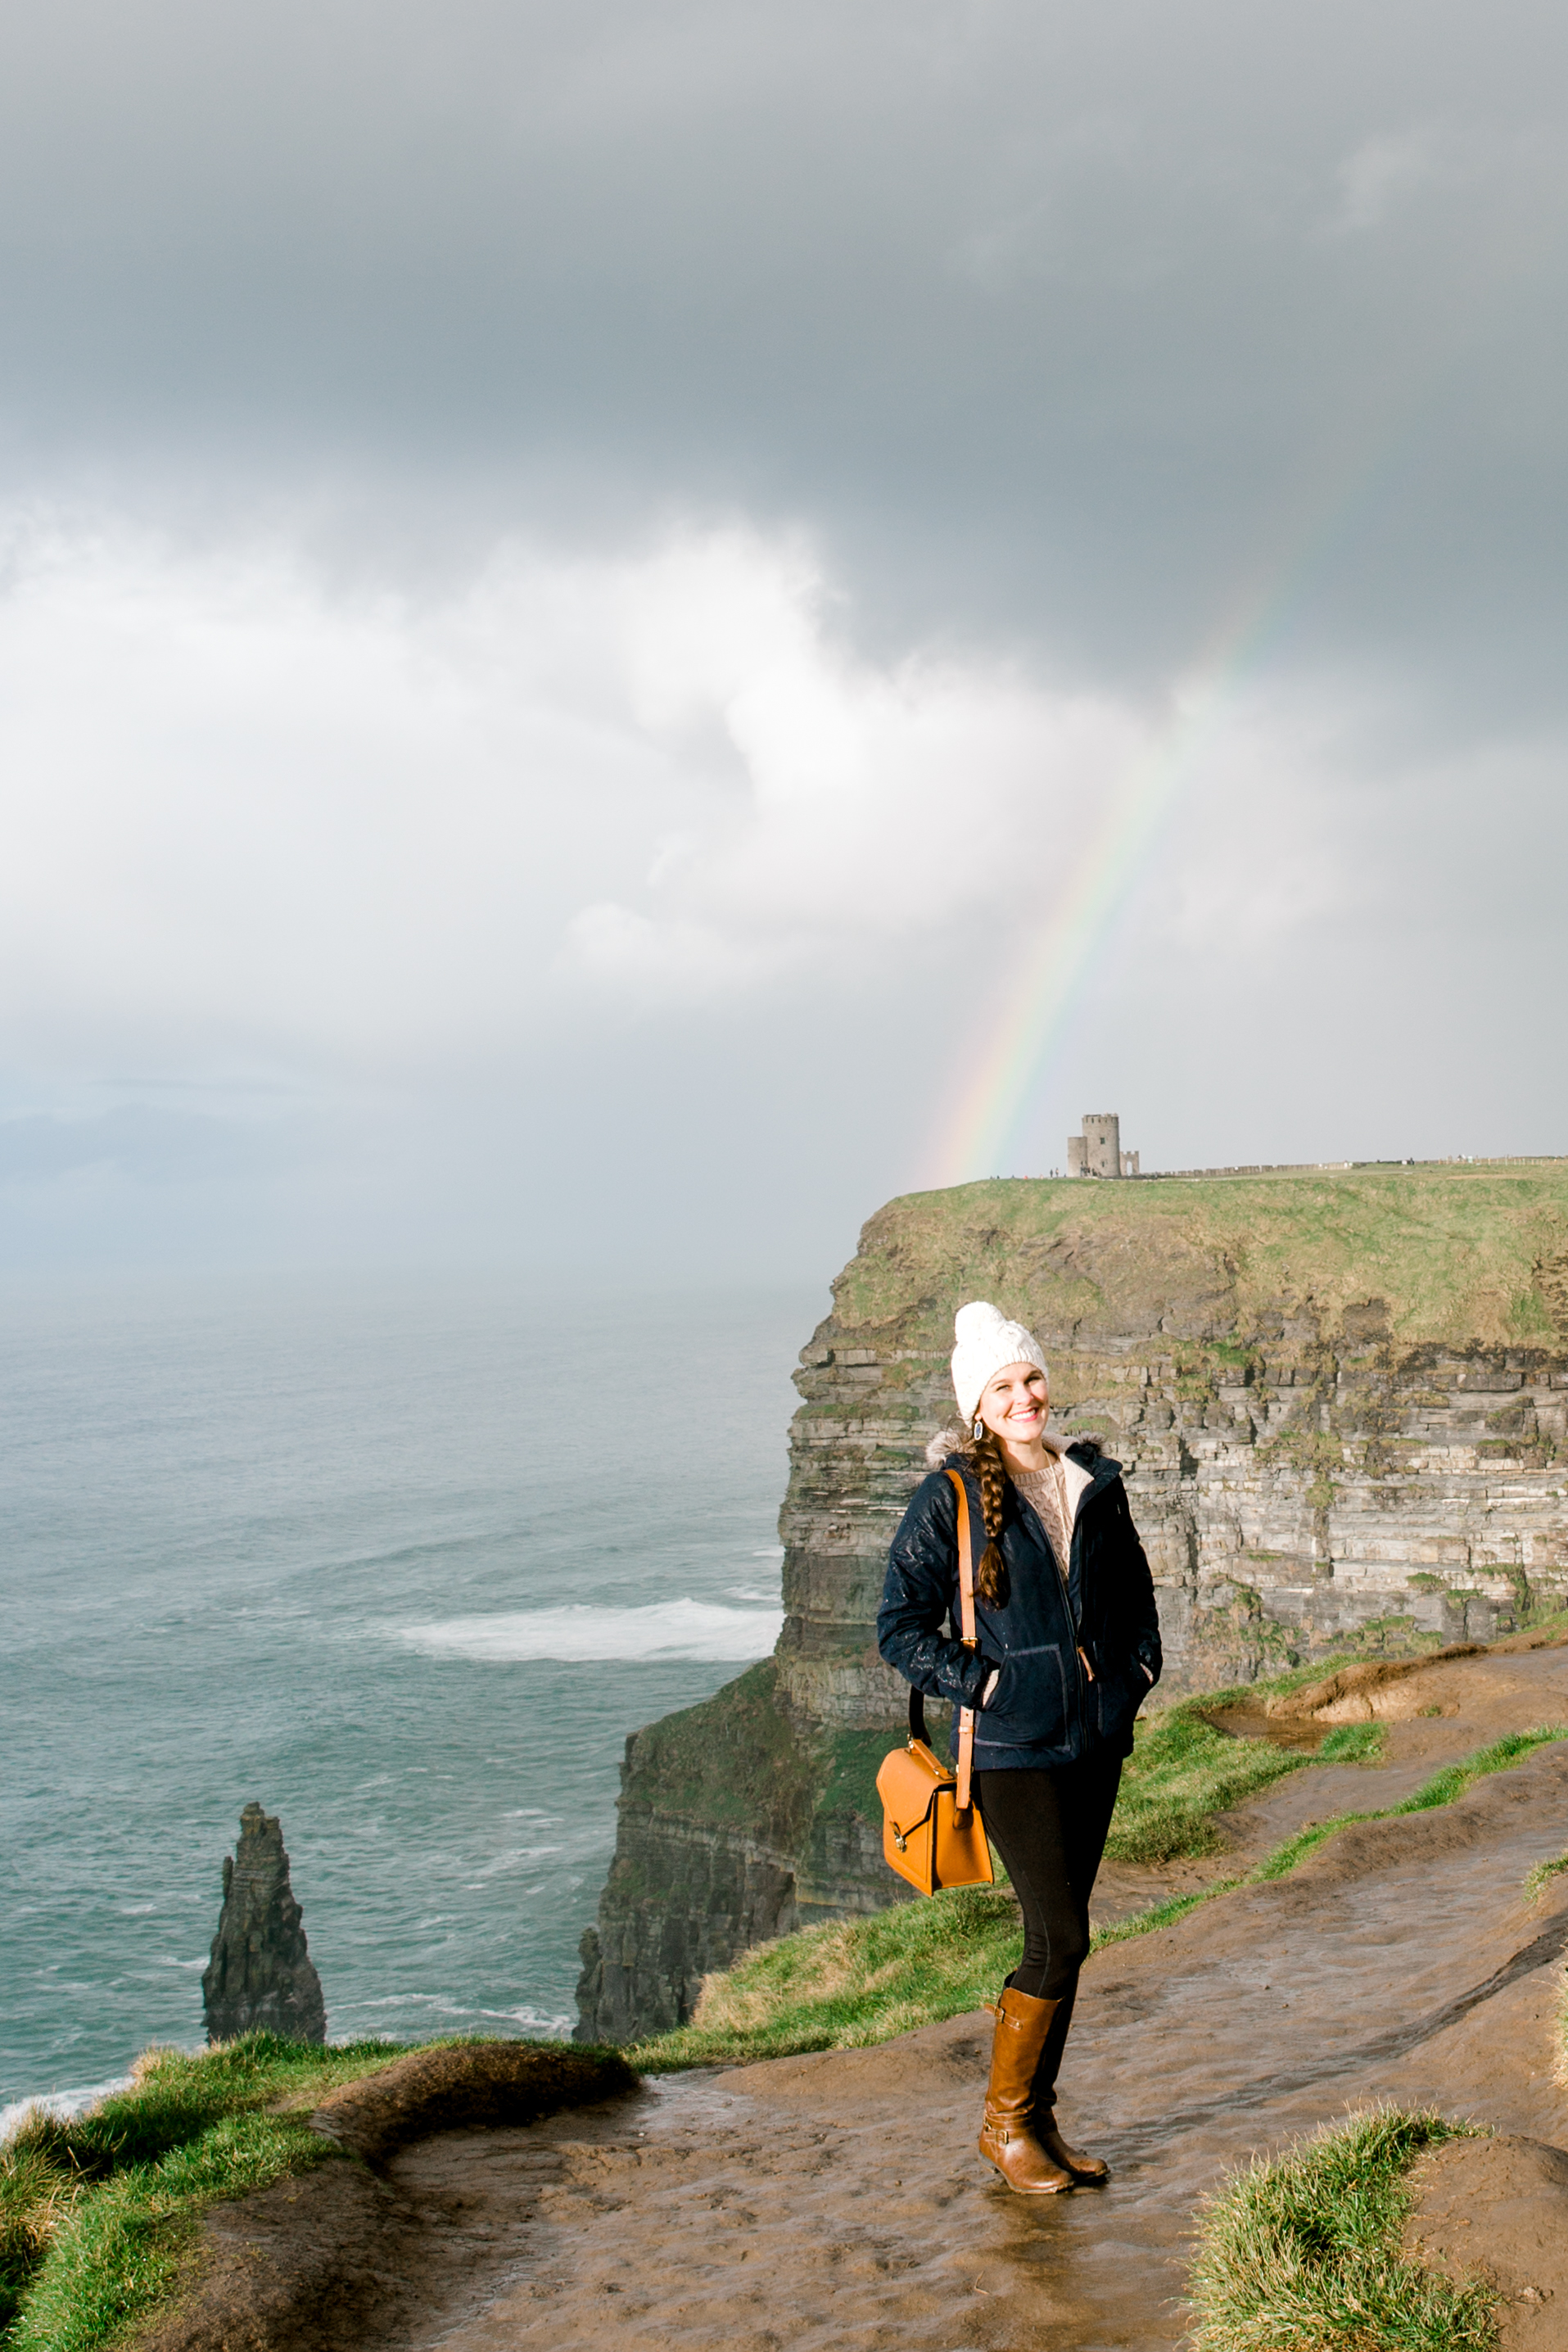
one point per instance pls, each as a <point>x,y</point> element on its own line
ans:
<point>1341,1401</point>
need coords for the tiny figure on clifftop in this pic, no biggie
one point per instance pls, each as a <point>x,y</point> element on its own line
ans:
<point>1068,1648</point>
<point>260,1973</point>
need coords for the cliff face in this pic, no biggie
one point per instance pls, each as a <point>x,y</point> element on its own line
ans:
<point>1341,1402</point>
<point>739,1819</point>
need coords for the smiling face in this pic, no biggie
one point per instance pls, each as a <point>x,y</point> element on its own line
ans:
<point>1014,1403</point>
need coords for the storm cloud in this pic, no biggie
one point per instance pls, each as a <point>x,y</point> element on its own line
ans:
<point>579,583</point>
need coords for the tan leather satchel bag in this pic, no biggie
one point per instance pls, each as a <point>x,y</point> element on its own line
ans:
<point>931,1832</point>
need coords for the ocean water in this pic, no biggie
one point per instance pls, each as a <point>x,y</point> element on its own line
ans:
<point>403,1560</point>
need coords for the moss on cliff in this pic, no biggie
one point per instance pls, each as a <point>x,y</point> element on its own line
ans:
<point>734,1760</point>
<point>738,1763</point>
<point>739,1821</point>
<point>852,1761</point>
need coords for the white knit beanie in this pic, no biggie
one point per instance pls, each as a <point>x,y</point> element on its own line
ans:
<point>986,1342</point>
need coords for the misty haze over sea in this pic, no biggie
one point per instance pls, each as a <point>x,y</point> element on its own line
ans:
<point>404,1560</point>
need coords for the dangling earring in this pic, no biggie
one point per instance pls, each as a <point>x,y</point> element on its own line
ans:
<point>978,1431</point>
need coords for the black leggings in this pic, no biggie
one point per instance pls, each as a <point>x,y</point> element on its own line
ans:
<point>1049,1829</point>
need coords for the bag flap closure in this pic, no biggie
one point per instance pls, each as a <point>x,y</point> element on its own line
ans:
<point>908,1779</point>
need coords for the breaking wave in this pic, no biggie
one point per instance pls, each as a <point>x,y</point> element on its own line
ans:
<point>582,1636</point>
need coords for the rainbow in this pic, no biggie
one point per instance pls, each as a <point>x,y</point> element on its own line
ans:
<point>1000,1070</point>
<point>1003,1070</point>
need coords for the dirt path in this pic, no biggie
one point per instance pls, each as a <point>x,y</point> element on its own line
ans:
<point>1500,2207</point>
<point>837,2200</point>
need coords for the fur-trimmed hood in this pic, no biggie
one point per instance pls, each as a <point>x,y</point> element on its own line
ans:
<point>955,1439</point>
<point>1078,1480</point>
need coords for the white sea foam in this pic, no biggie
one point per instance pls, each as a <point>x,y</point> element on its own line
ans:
<point>581,1635</point>
<point>62,2105</point>
<point>553,2025</point>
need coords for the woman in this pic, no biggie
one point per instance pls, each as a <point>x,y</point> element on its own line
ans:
<point>1069,1647</point>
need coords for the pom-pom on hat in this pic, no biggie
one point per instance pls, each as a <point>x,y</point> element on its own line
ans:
<point>986,1341</point>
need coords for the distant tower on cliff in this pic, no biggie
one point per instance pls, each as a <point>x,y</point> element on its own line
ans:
<point>1098,1150</point>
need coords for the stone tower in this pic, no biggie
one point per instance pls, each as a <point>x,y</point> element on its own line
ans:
<point>1102,1142</point>
<point>1098,1150</point>
<point>260,1973</point>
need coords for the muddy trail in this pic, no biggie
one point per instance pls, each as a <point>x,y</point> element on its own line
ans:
<point>837,2200</point>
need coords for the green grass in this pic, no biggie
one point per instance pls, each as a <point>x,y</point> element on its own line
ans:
<point>121,2249</point>
<point>1455,1252</point>
<point>1351,1743</point>
<point>1181,1772</point>
<point>98,2215</point>
<point>1537,1880</point>
<point>853,1982</point>
<point>1161,1914</point>
<point>1303,2253</point>
<point>1442,1789</point>
<point>864,1980</point>
<point>1455,1779</point>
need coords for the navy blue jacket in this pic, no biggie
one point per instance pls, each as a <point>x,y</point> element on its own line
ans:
<point>1052,1705</point>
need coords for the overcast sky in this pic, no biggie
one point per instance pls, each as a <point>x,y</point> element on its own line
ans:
<point>602,606</point>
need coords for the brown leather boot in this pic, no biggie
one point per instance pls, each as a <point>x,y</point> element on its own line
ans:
<point>1007,2139</point>
<point>1087,2169</point>
<point>1091,2169</point>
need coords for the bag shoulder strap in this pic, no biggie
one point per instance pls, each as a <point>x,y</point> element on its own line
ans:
<point>970,1639</point>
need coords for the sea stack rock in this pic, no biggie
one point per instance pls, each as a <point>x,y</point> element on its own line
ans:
<point>260,1974</point>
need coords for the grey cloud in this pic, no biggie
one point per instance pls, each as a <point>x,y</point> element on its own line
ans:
<point>1078,341</point>
<point>1062,325</point>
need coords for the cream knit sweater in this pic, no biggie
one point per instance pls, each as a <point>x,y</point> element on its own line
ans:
<point>1046,1492</point>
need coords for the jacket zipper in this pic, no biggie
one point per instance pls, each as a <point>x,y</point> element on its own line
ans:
<point>1085,1671</point>
<point>1083,1666</point>
<point>1083,1663</point>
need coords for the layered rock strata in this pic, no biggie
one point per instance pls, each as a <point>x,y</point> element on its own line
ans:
<point>261,1974</point>
<point>1341,1402</point>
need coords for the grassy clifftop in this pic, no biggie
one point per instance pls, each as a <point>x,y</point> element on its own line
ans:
<point>1467,1256</point>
